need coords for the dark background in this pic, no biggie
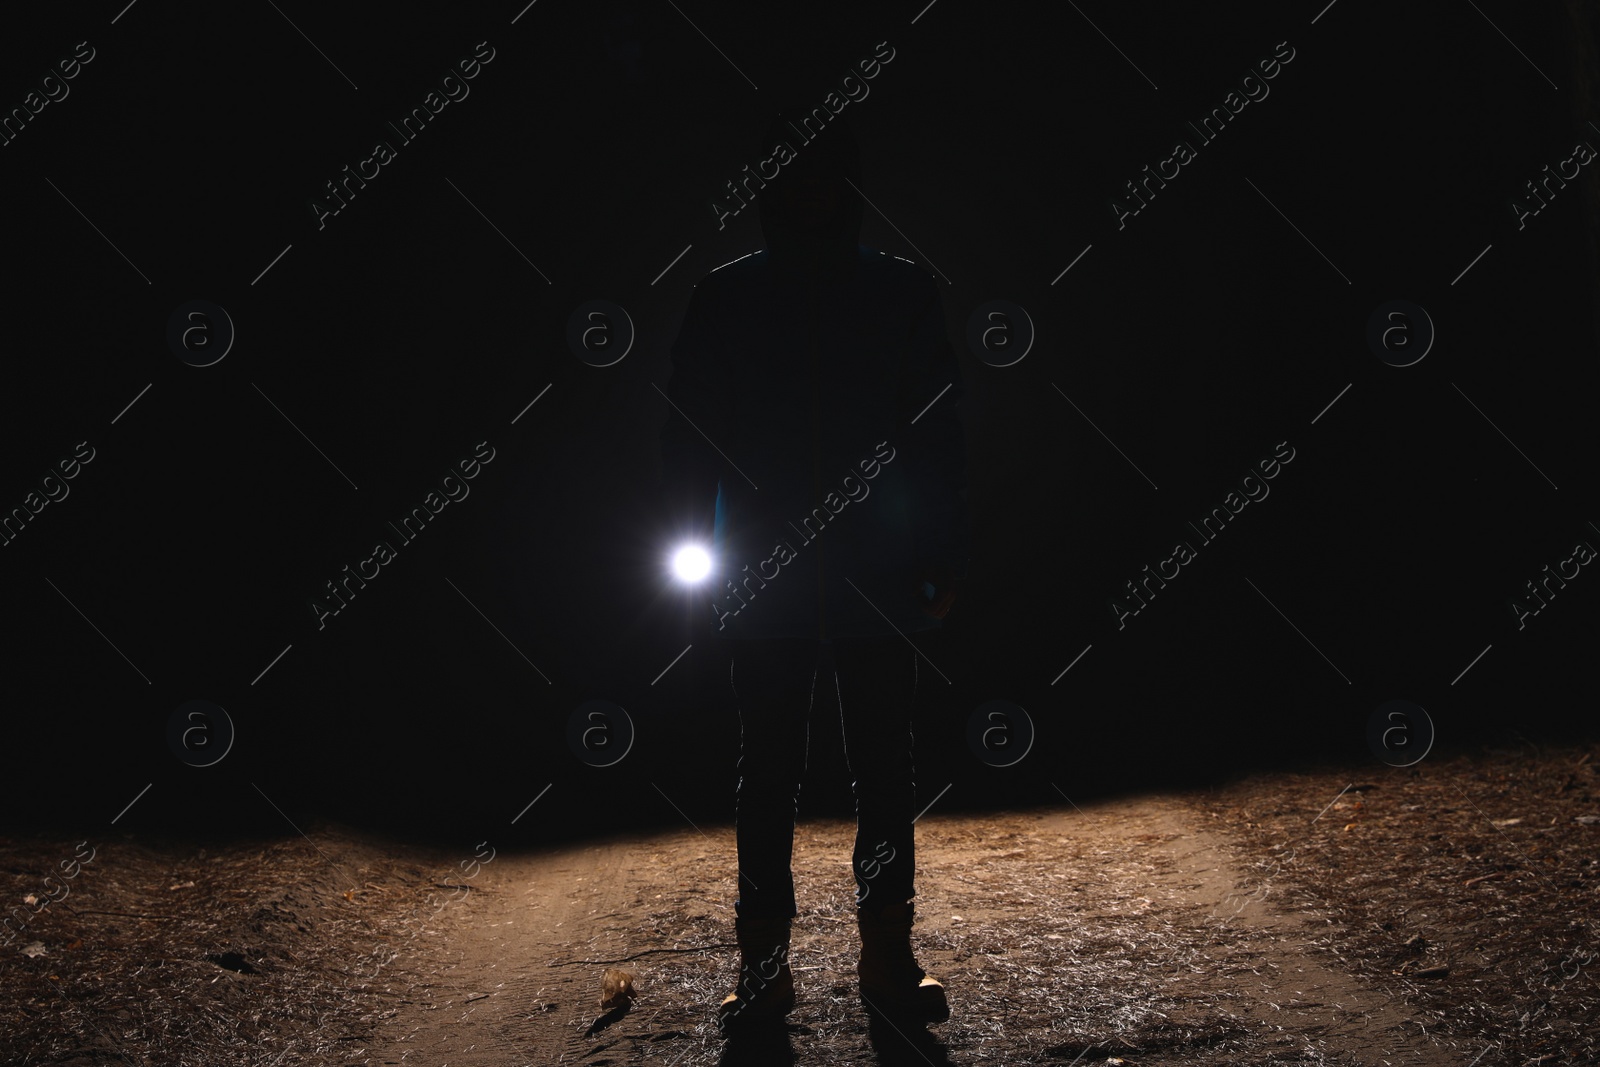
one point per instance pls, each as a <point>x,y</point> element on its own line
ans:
<point>407,330</point>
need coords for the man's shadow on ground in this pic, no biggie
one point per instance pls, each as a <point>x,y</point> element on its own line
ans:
<point>897,1044</point>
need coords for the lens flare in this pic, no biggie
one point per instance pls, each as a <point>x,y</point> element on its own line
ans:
<point>691,564</point>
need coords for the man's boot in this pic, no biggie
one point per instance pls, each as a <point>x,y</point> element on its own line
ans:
<point>765,993</point>
<point>892,984</point>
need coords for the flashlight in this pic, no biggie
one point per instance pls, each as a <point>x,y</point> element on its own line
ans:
<point>691,564</point>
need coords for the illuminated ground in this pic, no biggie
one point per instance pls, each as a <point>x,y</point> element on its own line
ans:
<point>1436,917</point>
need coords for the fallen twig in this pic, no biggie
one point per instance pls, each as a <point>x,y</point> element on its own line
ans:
<point>646,952</point>
<point>125,914</point>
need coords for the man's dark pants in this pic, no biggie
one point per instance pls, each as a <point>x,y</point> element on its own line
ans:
<point>774,685</point>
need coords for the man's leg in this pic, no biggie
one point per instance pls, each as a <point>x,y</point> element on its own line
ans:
<point>877,680</point>
<point>772,684</point>
<point>877,684</point>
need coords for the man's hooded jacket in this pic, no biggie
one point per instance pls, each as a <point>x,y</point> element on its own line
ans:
<point>815,393</point>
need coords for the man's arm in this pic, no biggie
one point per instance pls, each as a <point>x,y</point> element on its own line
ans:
<point>936,447</point>
<point>690,464</point>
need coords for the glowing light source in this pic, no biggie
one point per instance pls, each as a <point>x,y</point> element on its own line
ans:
<point>691,563</point>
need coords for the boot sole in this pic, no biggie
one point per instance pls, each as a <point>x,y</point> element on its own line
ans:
<point>760,1015</point>
<point>909,1015</point>
<point>921,1010</point>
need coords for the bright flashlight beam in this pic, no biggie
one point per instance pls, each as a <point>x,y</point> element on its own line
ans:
<point>691,563</point>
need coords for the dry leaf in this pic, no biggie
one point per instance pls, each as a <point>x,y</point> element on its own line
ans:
<point>616,988</point>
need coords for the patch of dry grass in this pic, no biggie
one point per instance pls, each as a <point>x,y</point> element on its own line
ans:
<point>258,953</point>
<point>1465,885</point>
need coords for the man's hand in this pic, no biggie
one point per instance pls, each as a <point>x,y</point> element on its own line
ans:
<point>945,588</point>
<point>942,601</point>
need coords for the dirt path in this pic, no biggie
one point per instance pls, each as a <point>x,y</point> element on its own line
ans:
<point>1296,992</point>
<point>1123,929</point>
<point>1442,914</point>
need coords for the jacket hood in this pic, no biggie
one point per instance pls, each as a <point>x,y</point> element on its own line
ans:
<point>832,154</point>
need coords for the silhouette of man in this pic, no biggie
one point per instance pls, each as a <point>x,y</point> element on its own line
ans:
<point>815,395</point>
